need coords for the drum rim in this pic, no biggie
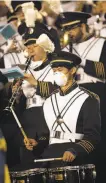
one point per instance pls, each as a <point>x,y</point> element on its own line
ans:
<point>88,166</point>
<point>85,166</point>
<point>63,168</point>
<point>28,172</point>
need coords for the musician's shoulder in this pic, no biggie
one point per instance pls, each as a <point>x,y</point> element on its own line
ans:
<point>91,94</point>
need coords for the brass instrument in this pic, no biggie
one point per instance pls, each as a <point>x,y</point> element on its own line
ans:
<point>64,39</point>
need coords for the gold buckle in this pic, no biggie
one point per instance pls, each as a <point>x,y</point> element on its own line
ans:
<point>58,176</point>
<point>21,181</point>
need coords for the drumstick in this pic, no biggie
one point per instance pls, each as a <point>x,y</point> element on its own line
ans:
<point>19,125</point>
<point>44,160</point>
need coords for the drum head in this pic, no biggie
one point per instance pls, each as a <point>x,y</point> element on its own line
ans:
<point>60,169</point>
<point>22,170</point>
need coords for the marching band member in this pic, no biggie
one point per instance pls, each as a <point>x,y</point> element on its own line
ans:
<point>83,44</point>
<point>91,74</point>
<point>13,49</point>
<point>75,25</point>
<point>74,129</point>
<point>40,46</point>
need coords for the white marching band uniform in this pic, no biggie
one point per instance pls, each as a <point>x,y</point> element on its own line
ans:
<point>87,50</point>
<point>73,102</point>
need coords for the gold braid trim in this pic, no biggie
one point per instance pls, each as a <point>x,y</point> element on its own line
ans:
<point>100,71</point>
<point>3,145</point>
<point>98,75</point>
<point>103,71</point>
<point>42,138</point>
<point>88,145</point>
<point>41,88</point>
<point>100,67</point>
<point>96,68</point>
<point>39,83</point>
<point>45,91</point>
<point>79,143</point>
<point>84,144</point>
<point>91,94</point>
<point>48,88</point>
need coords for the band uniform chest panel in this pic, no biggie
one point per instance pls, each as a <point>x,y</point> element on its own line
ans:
<point>13,59</point>
<point>90,49</point>
<point>45,74</point>
<point>74,101</point>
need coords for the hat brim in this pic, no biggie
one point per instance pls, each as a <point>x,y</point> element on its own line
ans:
<point>71,26</point>
<point>62,63</point>
<point>30,41</point>
<point>12,18</point>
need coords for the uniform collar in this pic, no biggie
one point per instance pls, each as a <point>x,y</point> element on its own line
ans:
<point>88,37</point>
<point>42,66</point>
<point>69,89</point>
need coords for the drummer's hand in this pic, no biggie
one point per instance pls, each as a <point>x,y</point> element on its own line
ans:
<point>30,143</point>
<point>68,156</point>
<point>30,79</point>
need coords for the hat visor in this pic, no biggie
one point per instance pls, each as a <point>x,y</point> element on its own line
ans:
<point>62,64</point>
<point>30,41</point>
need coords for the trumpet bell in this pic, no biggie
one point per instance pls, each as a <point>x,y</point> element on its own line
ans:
<point>64,40</point>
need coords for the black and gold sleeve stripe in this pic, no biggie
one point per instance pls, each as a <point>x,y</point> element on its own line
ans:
<point>86,145</point>
<point>42,138</point>
<point>45,89</point>
<point>100,70</point>
<point>95,69</point>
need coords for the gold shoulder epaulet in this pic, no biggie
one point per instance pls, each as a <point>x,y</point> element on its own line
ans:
<point>91,94</point>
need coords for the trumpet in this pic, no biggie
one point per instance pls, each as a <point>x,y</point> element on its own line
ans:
<point>15,93</point>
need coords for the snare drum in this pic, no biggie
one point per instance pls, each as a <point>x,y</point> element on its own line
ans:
<point>88,173</point>
<point>28,176</point>
<point>72,174</point>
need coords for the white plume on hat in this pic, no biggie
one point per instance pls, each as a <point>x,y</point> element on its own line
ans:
<point>45,42</point>
<point>55,5</point>
<point>30,17</point>
<point>31,14</point>
<point>25,6</point>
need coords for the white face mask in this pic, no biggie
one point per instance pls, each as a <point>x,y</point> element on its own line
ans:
<point>60,78</point>
<point>36,64</point>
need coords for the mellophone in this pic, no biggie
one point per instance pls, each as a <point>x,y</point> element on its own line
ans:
<point>68,174</point>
